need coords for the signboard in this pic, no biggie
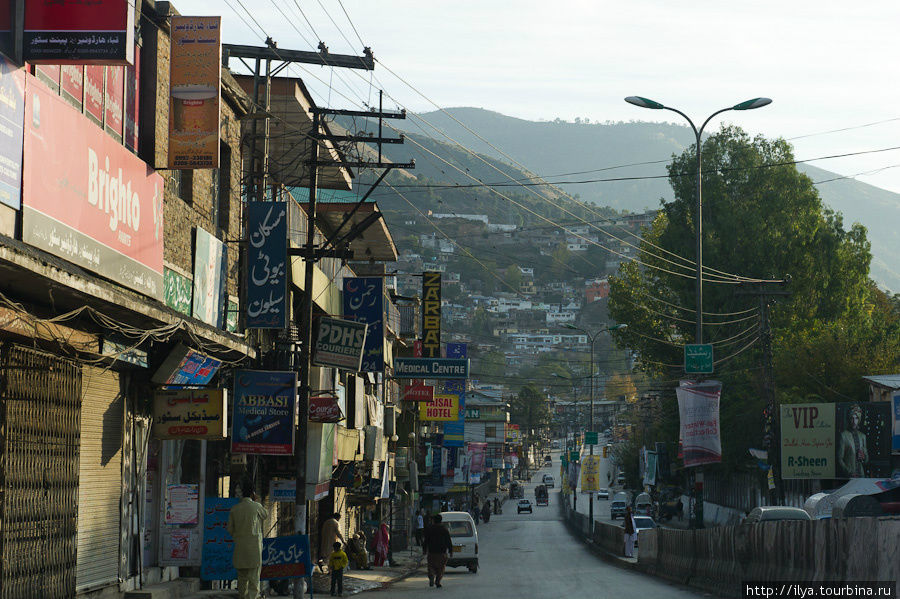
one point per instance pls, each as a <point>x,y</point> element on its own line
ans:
<point>267,306</point>
<point>431,368</point>
<point>114,105</point>
<point>473,413</point>
<point>573,456</point>
<point>263,417</point>
<point>590,473</point>
<point>189,414</point>
<point>12,117</point>
<point>186,367</point>
<point>442,408</point>
<point>194,92</point>
<point>177,291</point>
<point>698,358</point>
<point>71,83</point>
<point>863,440</point>
<point>283,490</point>
<point>94,77</point>
<point>476,456</point>
<point>455,431</point>
<point>698,411</point>
<point>324,408</point>
<point>807,441</point>
<point>364,303</point>
<point>340,344</point>
<point>102,208</point>
<point>513,433</point>
<point>209,279</point>
<point>457,350</point>
<point>417,393</point>
<point>431,314</point>
<point>99,32</point>
<point>590,438</point>
<point>182,504</point>
<point>650,468</point>
<point>282,557</point>
<point>895,417</point>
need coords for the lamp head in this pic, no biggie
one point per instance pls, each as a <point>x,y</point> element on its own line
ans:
<point>751,104</point>
<point>644,102</point>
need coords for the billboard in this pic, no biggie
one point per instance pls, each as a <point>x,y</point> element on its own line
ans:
<point>590,473</point>
<point>835,440</point>
<point>698,411</point>
<point>189,414</point>
<point>340,343</point>
<point>431,314</point>
<point>194,106</point>
<point>364,303</point>
<point>263,416</point>
<point>12,117</point>
<point>73,32</point>
<point>267,296</point>
<point>114,106</point>
<point>102,208</point>
<point>427,368</point>
<point>209,279</point>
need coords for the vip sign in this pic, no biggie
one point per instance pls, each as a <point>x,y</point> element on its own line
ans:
<point>431,314</point>
<point>443,408</point>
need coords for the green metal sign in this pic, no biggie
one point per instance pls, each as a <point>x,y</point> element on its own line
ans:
<point>590,438</point>
<point>573,456</point>
<point>698,358</point>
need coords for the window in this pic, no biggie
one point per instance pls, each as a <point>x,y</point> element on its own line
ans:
<point>490,431</point>
<point>459,528</point>
<point>185,182</point>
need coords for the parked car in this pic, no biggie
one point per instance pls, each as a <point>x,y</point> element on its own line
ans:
<point>524,505</point>
<point>773,513</point>
<point>618,505</point>
<point>548,481</point>
<point>602,494</point>
<point>464,536</point>
<point>643,505</point>
<point>620,479</point>
<point>642,523</point>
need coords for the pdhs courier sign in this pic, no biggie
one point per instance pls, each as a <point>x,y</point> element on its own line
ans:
<point>431,368</point>
<point>340,343</point>
<point>263,419</point>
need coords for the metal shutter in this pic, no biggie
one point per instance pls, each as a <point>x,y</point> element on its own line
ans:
<point>100,484</point>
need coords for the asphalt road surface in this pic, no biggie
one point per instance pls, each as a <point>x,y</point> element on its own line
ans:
<point>534,555</point>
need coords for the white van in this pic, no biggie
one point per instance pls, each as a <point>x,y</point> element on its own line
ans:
<point>465,539</point>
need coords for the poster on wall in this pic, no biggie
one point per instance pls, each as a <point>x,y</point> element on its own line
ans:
<point>196,54</point>
<point>12,117</point>
<point>102,209</point>
<point>863,439</point>
<point>698,411</point>
<point>94,78</point>
<point>178,291</point>
<point>263,416</point>
<point>98,32</point>
<point>182,504</point>
<point>71,83</point>
<point>364,303</point>
<point>267,296</point>
<point>209,279</point>
<point>431,314</point>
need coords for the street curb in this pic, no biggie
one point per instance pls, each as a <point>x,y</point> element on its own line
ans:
<point>386,584</point>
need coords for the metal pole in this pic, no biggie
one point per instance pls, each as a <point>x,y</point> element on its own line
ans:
<point>591,426</point>
<point>699,234</point>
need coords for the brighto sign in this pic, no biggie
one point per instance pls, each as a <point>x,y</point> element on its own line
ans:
<point>111,194</point>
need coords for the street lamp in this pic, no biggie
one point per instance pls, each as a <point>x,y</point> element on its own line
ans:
<point>748,105</point>
<point>593,338</point>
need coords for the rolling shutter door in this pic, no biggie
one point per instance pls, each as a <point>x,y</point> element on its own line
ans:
<point>100,484</point>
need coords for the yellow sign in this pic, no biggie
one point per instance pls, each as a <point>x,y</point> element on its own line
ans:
<point>196,56</point>
<point>590,473</point>
<point>444,407</point>
<point>189,414</point>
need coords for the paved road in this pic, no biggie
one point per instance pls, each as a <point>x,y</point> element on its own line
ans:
<point>535,556</point>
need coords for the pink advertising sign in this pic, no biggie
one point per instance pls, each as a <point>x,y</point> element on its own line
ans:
<point>86,198</point>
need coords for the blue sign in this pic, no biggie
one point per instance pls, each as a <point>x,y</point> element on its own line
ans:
<point>364,302</point>
<point>896,422</point>
<point>431,368</point>
<point>436,454</point>
<point>455,432</point>
<point>263,415</point>
<point>457,350</point>
<point>187,367</point>
<point>267,306</point>
<point>12,121</point>
<point>282,557</point>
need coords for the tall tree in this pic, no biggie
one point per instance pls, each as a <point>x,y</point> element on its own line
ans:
<point>529,408</point>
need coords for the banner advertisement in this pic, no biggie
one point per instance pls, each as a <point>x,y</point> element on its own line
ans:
<point>189,414</point>
<point>282,557</point>
<point>177,291</point>
<point>650,468</point>
<point>807,441</point>
<point>475,457</point>
<point>194,92</point>
<point>182,504</point>
<point>71,84</point>
<point>513,434</point>
<point>895,411</point>
<point>340,344</point>
<point>263,417</point>
<point>364,303</point>
<point>102,208</point>
<point>455,431</point>
<point>863,440</point>
<point>186,367</point>
<point>442,408</point>
<point>431,314</point>
<point>94,77</point>
<point>99,32</point>
<point>114,106</point>
<point>12,122</point>
<point>417,393</point>
<point>267,306</point>
<point>698,411</point>
<point>590,473</point>
<point>210,269</point>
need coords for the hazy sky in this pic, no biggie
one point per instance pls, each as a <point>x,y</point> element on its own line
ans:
<point>826,65</point>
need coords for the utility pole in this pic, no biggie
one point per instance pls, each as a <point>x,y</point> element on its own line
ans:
<point>767,292</point>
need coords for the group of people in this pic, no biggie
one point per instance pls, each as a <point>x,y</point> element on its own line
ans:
<point>332,544</point>
<point>482,513</point>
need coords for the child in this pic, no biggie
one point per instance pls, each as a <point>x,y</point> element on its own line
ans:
<point>337,561</point>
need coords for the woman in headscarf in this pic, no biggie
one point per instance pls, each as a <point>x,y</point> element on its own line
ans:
<point>630,533</point>
<point>382,541</point>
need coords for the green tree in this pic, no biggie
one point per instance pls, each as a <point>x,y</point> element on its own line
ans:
<point>513,276</point>
<point>529,408</point>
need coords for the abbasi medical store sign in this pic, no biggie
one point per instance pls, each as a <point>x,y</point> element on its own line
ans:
<point>431,368</point>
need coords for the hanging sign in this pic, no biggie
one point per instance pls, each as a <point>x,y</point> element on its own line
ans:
<point>324,408</point>
<point>267,306</point>
<point>698,411</point>
<point>417,393</point>
<point>189,414</point>
<point>340,343</point>
<point>364,303</point>
<point>99,32</point>
<point>443,408</point>
<point>431,314</point>
<point>263,416</point>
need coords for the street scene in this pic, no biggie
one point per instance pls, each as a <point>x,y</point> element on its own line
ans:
<point>342,297</point>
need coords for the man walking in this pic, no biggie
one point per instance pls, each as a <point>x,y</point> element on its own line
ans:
<point>331,534</point>
<point>437,546</point>
<point>245,524</point>
<point>420,527</point>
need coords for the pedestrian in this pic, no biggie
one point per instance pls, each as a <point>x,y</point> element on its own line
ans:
<point>359,552</point>
<point>486,512</point>
<point>337,561</point>
<point>331,534</point>
<point>420,527</point>
<point>437,547</point>
<point>476,512</point>
<point>382,542</point>
<point>246,522</point>
<point>630,533</point>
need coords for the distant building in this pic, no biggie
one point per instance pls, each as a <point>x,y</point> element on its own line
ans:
<point>595,290</point>
<point>482,218</point>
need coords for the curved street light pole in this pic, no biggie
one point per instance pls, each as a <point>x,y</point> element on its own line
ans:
<point>698,221</point>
